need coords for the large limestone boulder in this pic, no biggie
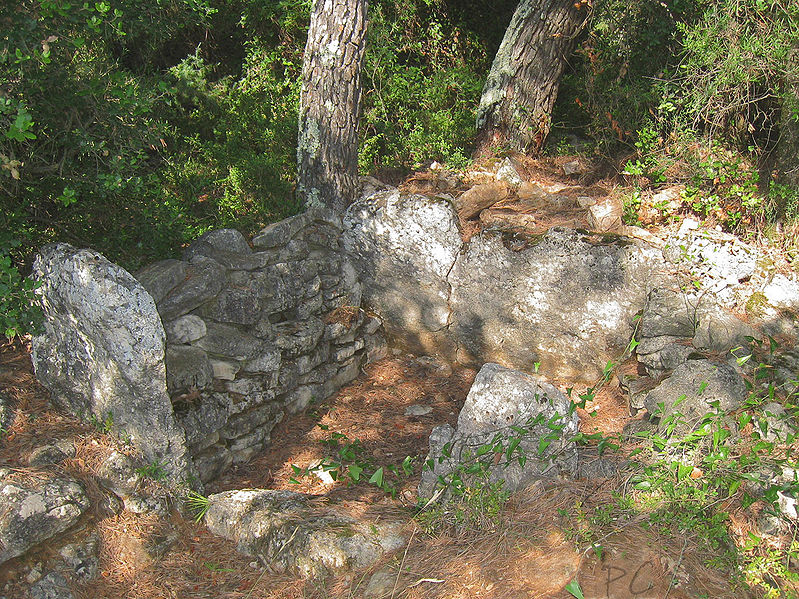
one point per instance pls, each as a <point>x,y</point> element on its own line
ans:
<point>102,352</point>
<point>565,300</point>
<point>286,532</point>
<point>504,407</point>
<point>404,248</point>
<point>33,511</point>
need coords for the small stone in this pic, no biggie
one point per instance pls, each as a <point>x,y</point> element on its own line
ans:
<point>225,370</point>
<point>160,278</point>
<point>45,455</point>
<point>573,167</point>
<point>586,201</point>
<point>52,586</point>
<point>33,514</point>
<point>417,410</point>
<point>507,172</point>
<point>381,584</point>
<point>185,329</point>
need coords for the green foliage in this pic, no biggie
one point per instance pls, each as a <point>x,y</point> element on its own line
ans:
<point>154,470</point>
<point>738,58</point>
<point>103,425</point>
<point>421,91</point>
<point>20,313</point>
<point>197,504</point>
<point>347,461</point>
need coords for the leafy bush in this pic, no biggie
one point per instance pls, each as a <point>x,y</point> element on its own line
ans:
<point>420,91</point>
<point>19,313</point>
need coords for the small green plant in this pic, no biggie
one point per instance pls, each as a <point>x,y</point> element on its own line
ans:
<point>197,504</point>
<point>574,589</point>
<point>103,425</point>
<point>650,162</point>
<point>350,463</point>
<point>154,470</point>
<point>20,313</point>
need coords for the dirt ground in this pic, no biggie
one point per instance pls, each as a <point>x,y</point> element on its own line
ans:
<point>529,551</point>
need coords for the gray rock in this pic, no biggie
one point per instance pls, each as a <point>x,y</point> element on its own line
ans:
<point>6,413</point>
<point>137,504</point>
<point>381,584</point>
<point>117,473</point>
<point>185,329</point>
<point>228,240</point>
<point>280,233</point>
<point>162,277</point>
<point>55,453</point>
<point>266,361</point>
<point>283,530</point>
<point>500,399</point>
<point>261,417</point>
<point>213,462</point>
<point>248,392</point>
<point>573,167</point>
<point>716,259</point>
<point>295,338</point>
<point>229,341</point>
<point>566,302</point>
<point>418,410</point>
<point>81,558</point>
<point>662,354</point>
<point>102,351</point>
<point>507,172</point>
<point>31,513</point>
<point>203,419</point>
<point>52,586</point>
<point>669,312</point>
<point>782,292</point>
<point>187,367</point>
<point>204,280</point>
<point>688,393</point>
<point>234,305</point>
<point>225,370</point>
<point>376,348</point>
<point>774,424</point>
<point>720,331</point>
<point>404,247</point>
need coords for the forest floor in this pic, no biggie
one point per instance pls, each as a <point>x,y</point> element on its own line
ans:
<point>531,548</point>
<point>533,545</point>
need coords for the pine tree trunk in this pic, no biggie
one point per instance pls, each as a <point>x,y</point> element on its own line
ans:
<point>523,82</point>
<point>327,148</point>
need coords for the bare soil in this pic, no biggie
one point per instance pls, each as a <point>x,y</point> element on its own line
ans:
<point>529,551</point>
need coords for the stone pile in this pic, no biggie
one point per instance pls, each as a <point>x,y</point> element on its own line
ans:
<point>248,335</point>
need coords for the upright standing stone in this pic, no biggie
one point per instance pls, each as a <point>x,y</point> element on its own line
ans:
<point>102,352</point>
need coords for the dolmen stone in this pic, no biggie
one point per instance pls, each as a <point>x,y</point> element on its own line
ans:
<point>565,299</point>
<point>288,534</point>
<point>102,352</point>
<point>514,427</point>
<point>694,389</point>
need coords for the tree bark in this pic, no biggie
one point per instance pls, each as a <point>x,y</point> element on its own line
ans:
<point>523,83</point>
<point>327,149</point>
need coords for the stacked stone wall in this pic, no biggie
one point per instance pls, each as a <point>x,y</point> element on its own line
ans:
<point>256,333</point>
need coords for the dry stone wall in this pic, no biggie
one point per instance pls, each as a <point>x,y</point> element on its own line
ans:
<point>249,335</point>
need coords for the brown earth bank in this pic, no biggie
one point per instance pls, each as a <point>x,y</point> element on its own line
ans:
<point>533,546</point>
